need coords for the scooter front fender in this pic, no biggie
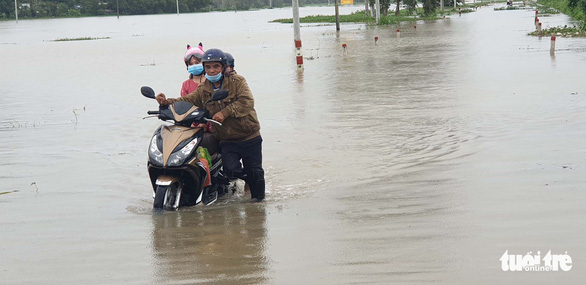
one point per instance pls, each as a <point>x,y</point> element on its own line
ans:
<point>166,180</point>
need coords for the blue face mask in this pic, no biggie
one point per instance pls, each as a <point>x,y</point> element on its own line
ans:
<point>196,69</point>
<point>214,78</point>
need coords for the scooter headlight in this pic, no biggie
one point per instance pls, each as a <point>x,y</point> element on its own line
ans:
<point>177,158</point>
<point>155,155</point>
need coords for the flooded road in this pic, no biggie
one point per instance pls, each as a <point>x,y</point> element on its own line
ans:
<point>419,159</point>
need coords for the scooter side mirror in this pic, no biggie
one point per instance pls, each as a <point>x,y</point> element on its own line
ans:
<point>219,94</point>
<point>147,92</point>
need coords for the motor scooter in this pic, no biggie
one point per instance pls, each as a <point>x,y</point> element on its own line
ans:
<point>177,174</point>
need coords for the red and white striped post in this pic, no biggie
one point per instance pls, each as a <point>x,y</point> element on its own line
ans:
<point>539,28</point>
<point>536,12</point>
<point>344,46</point>
<point>297,35</point>
<point>375,40</point>
<point>299,55</point>
<point>536,22</point>
<point>398,33</point>
<point>552,47</point>
<point>415,27</point>
<point>460,11</point>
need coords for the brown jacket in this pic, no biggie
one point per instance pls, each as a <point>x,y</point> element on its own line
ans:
<point>241,122</point>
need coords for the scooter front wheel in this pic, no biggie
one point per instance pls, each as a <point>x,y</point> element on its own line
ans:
<point>160,197</point>
<point>168,197</point>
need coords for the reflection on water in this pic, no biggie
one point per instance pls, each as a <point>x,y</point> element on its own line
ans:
<point>220,245</point>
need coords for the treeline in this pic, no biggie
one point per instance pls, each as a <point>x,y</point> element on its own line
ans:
<point>77,8</point>
<point>429,6</point>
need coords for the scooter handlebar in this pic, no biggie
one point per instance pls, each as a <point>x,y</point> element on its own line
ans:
<point>153,112</point>
<point>213,121</point>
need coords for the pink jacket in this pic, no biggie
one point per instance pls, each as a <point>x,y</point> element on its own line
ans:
<point>188,87</point>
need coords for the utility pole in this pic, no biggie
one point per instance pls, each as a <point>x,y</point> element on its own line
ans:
<point>117,10</point>
<point>377,4</point>
<point>442,5</point>
<point>177,7</point>
<point>337,16</point>
<point>297,35</point>
<point>455,4</point>
<point>16,10</point>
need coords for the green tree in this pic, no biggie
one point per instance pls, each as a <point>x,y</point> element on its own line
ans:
<point>582,5</point>
<point>89,7</point>
<point>73,13</point>
<point>429,7</point>
<point>411,4</point>
<point>62,10</point>
<point>384,6</point>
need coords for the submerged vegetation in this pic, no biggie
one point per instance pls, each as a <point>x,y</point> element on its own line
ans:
<point>388,17</point>
<point>565,31</point>
<point>413,14</point>
<point>358,17</point>
<point>354,17</point>
<point>507,8</point>
<point>544,10</point>
<point>573,8</point>
<point>80,39</point>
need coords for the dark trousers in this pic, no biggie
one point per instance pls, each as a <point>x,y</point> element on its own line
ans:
<point>250,152</point>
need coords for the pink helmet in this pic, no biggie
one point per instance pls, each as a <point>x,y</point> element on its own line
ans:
<point>193,51</point>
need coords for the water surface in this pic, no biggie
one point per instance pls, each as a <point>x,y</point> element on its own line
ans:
<point>414,160</point>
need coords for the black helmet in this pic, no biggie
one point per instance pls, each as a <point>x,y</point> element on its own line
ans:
<point>213,54</point>
<point>229,59</point>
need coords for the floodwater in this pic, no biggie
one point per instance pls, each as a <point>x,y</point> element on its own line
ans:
<point>419,159</point>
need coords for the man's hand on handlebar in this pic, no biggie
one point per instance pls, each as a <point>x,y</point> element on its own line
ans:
<point>219,117</point>
<point>161,99</point>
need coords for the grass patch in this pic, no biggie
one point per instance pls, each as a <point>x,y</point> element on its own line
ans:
<point>479,4</point>
<point>565,31</point>
<point>391,20</point>
<point>80,39</point>
<point>355,17</point>
<point>465,10</point>
<point>507,8</point>
<point>358,17</point>
<point>544,10</point>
